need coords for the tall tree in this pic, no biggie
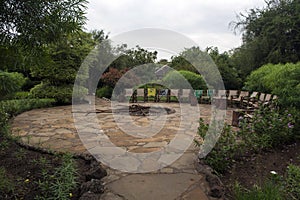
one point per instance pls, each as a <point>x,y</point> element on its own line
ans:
<point>228,72</point>
<point>270,35</point>
<point>33,23</point>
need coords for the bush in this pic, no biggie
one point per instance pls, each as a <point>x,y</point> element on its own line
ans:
<point>105,91</point>
<point>14,107</point>
<point>268,128</point>
<point>224,151</point>
<point>10,83</point>
<point>174,80</point>
<point>282,80</point>
<point>62,94</point>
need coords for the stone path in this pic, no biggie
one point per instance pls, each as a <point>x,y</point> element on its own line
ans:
<point>53,128</point>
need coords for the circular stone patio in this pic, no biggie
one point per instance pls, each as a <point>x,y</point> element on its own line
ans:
<point>54,129</point>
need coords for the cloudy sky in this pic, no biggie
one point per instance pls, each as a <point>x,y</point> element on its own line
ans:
<point>204,21</point>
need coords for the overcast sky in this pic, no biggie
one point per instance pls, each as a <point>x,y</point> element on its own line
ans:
<point>204,21</point>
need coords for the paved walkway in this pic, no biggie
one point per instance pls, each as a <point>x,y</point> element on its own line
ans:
<point>53,128</point>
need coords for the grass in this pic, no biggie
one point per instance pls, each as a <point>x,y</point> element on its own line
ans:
<point>276,188</point>
<point>60,184</point>
<point>268,191</point>
<point>6,186</point>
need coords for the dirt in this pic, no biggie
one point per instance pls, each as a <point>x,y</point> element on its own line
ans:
<point>24,169</point>
<point>254,169</point>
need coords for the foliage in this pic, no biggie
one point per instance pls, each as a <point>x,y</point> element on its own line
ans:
<point>60,184</point>
<point>276,187</point>
<point>223,154</point>
<point>14,107</point>
<point>268,128</point>
<point>282,80</point>
<point>133,57</point>
<point>105,91</point>
<point>270,35</point>
<point>10,83</point>
<point>268,191</point>
<point>39,22</point>
<point>111,77</point>
<point>6,186</point>
<point>174,80</point>
<point>292,183</point>
<point>62,94</point>
<point>229,74</point>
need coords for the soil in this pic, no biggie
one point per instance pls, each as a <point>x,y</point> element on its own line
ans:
<point>254,169</point>
<point>23,167</point>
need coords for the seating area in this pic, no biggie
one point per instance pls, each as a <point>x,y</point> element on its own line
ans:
<point>235,98</point>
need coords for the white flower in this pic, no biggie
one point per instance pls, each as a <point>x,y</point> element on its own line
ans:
<point>273,172</point>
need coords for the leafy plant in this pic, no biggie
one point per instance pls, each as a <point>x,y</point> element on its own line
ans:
<point>10,83</point>
<point>59,184</point>
<point>268,191</point>
<point>224,151</point>
<point>5,184</point>
<point>282,80</point>
<point>105,91</point>
<point>292,186</point>
<point>14,107</point>
<point>268,127</point>
<point>174,79</point>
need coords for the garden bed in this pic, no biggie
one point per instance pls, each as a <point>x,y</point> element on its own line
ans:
<point>255,169</point>
<point>25,174</point>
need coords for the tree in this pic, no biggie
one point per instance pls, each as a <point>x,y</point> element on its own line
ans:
<point>229,74</point>
<point>34,23</point>
<point>209,64</point>
<point>270,35</point>
<point>130,58</point>
<point>59,65</point>
<point>10,83</point>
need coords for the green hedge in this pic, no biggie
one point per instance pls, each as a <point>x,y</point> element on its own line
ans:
<point>281,80</point>
<point>14,107</point>
<point>62,94</point>
<point>174,80</point>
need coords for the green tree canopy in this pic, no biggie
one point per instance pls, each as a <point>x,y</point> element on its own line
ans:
<point>34,23</point>
<point>270,35</point>
<point>228,72</point>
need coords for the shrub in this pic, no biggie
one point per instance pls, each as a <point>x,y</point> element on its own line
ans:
<point>174,80</point>
<point>105,91</point>
<point>10,83</point>
<point>62,94</point>
<point>14,107</point>
<point>282,80</point>
<point>268,128</point>
<point>224,151</point>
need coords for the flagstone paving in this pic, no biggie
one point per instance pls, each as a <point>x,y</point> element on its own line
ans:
<point>53,128</point>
